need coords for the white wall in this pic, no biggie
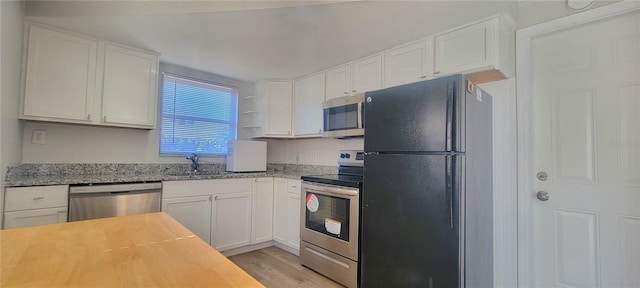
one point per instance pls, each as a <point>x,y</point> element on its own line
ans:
<point>65,143</point>
<point>535,12</point>
<point>11,13</point>
<point>310,151</point>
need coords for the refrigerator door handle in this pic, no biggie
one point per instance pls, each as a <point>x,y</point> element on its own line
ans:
<point>449,191</point>
<point>450,119</point>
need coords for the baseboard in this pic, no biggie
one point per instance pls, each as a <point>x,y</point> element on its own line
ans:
<point>245,249</point>
<point>287,248</point>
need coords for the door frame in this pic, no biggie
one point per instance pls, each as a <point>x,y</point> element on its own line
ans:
<point>524,39</point>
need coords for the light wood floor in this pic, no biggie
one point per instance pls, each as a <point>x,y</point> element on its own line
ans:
<point>276,268</point>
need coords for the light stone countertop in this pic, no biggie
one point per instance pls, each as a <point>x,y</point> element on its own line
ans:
<point>63,174</point>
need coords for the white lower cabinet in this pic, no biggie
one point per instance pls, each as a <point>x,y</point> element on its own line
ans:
<point>35,217</point>
<point>293,220</point>
<point>234,213</point>
<point>218,211</point>
<point>262,216</point>
<point>37,205</point>
<point>192,212</point>
<point>279,209</point>
<point>286,220</point>
<point>231,220</point>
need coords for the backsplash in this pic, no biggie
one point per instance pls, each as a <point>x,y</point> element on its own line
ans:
<point>323,151</point>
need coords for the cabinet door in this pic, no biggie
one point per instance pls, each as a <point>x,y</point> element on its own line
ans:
<point>366,75</point>
<point>232,221</point>
<point>279,96</point>
<point>279,209</point>
<point>130,84</point>
<point>293,220</point>
<point>308,113</point>
<point>467,49</point>
<point>60,76</point>
<point>192,212</point>
<point>338,82</point>
<point>35,217</point>
<point>407,64</point>
<point>262,216</point>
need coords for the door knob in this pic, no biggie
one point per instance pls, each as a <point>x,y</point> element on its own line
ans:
<point>542,195</point>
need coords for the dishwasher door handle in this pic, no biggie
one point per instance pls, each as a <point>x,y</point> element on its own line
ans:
<point>110,188</point>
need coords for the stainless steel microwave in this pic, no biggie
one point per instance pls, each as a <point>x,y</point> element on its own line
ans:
<point>344,116</point>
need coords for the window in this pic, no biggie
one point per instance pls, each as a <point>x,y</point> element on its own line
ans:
<point>197,117</point>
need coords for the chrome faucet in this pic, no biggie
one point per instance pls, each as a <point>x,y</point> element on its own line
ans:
<point>194,162</point>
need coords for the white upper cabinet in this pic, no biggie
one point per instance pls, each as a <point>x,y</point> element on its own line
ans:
<point>407,64</point>
<point>77,79</point>
<point>357,77</point>
<point>366,74</point>
<point>481,50</point>
<point>130,84</point>
<point>277,104</point>
<point>338,82</point>
<point>309,95</point>
<point>60,76</point>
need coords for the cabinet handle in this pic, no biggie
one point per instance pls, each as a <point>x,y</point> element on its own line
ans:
<point>89,117</point>
<point>38,198</point>
<point>347,93</point>
<point>62,211</point>
<point>354,91</point>
<point>425,76</point>
<point>210,198</point>
<point>436,72</point>
<point>288,132</point>
<point>105,118</point>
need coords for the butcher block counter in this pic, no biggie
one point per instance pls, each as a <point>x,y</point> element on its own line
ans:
<point>147,250</point>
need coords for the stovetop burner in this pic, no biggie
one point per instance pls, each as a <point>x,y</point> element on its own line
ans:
<point>350,173</point>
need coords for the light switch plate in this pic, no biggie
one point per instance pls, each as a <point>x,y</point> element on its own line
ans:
<point>37,137</point>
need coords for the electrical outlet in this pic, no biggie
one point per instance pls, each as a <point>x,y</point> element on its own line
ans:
<point>37,137</point>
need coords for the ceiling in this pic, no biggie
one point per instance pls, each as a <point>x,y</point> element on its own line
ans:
<point>253,40</point>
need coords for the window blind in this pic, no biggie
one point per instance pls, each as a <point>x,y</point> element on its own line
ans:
<point>197,117</point>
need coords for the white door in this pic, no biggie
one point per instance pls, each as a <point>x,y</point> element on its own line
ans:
<point>407,64</point>
<point>60,77</point>
<point>28,218</point>
<point>585,136</point>
<point>279,209</point>
<point>130,84</point>
<point>262,216</point>
<point>279,103</point>
<point>192,212</point>
<point>338,82</point>
<point>232,221</point>
<point>293,220</point>
<point>309,94</point>
<point>366,75</point>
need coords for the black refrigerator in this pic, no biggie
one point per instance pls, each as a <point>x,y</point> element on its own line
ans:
<point>427,199</point>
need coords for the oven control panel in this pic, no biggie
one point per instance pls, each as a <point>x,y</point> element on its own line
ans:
<point>351,158</point>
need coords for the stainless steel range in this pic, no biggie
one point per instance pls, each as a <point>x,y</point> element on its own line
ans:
<point>330,220</point>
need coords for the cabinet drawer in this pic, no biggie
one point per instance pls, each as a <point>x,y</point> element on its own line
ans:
<point>23,198</point>
<point>293,186</point>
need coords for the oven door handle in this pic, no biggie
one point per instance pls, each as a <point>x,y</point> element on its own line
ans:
<point>330,190</point>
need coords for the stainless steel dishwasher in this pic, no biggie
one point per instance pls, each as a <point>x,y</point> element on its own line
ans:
<point>109,200</point>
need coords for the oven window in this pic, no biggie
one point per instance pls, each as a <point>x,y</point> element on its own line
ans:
<point>341,118</point>
<point>328,215</point>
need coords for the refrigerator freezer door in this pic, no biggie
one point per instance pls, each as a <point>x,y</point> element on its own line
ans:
<point>422,116</point>
<point>410,223</point>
